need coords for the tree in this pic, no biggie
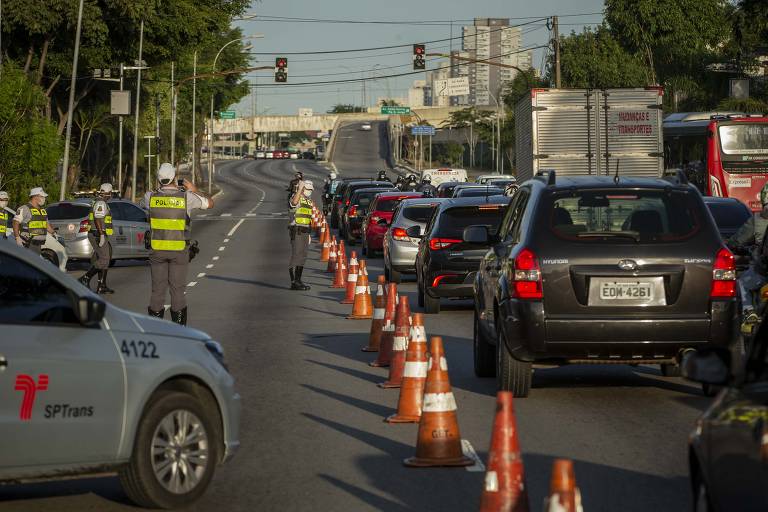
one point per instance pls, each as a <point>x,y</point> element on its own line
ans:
<point>466,118</point>
<point>389,103</point>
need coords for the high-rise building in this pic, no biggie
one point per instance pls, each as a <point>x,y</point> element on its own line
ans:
<point>490,39</point>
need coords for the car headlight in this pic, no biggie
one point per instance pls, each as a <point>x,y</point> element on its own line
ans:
<point>217,351</point>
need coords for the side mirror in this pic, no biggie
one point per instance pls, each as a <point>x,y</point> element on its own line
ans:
<point>707,366</point>
<point>476,235</point>
<point>414,232</point>
<point>88,310</point>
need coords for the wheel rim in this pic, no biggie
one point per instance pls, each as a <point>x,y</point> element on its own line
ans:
<point>180,451</point>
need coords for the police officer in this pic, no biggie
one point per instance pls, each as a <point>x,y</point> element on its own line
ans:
<point>301,204</point>
<point>382,176</point>
<point>170,208</point>
<point>752,231</point>
<point>4,214</point>
<point>426,187</point>
<point>30,225</point>
<point>100,220</point>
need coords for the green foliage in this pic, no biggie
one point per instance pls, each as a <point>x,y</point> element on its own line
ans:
<point>29,145</point>
<point>748,106</point>
<point>389,103</point>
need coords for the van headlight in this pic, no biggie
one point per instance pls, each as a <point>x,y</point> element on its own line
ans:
<point>216,350</point>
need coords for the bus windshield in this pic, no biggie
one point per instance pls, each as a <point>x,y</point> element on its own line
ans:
<point>744,139</point>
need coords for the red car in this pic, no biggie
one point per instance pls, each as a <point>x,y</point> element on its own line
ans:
<point>379,217</point>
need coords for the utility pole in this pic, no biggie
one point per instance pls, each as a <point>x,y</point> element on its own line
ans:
<point>157,136</point>
<point>173,117</point>
<point>70,113</point>
<point>556,39</point>
<point>120,140</point>
<point>194,109</point>
<point>136,121</point>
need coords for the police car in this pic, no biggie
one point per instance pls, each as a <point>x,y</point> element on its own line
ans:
<point>87,387</point>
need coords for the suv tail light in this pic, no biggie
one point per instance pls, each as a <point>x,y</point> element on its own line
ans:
<point>85,226</point>
<point>526,280</point>
<point>353,211</point>
<point>347,203</point>
<point>400,234</point>
<point>723,276</point>
<point>442,243</point>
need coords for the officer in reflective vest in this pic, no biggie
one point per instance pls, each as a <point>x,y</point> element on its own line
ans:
<point>300,226</point>
<point>100,220</point>
<point>170,208</point>
<point>4,211</point>
<point>30,225</point>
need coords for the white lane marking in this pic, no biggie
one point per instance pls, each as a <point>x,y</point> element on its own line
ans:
<point>221,248</point>
<point>201,274</point>
<point>250,214</point>
<point>202,215</point>
<point>226,214</point>
<point>193,283</point>
<point>226,240</point>
<point>470,452</point>
<point>215,258</point>
<point>210,265</point>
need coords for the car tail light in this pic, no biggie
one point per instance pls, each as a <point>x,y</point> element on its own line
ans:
<point>400,234</point>
<point>353,211</point>
<point>436,281</point>
<point>85,226</point>
<point>347,203</point>
<point>723,275</point>
<point>526,280</point>
<point>442,243</point>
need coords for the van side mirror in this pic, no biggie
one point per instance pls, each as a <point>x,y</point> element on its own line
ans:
<point>89,310</point>
<point>476,235</point>
<point>414,232</point>
<point>707,366</point>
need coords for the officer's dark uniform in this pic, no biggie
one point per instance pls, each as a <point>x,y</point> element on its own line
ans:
<point>300,229</point>
<point>101,254</point>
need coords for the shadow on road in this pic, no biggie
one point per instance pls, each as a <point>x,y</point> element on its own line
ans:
<point>107,487</point>
<point>375,409</point>
<point>247,281</point>
<point>369,377</point>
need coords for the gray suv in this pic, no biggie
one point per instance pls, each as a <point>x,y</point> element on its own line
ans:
<point>600,270</point>
<point>90,388</point>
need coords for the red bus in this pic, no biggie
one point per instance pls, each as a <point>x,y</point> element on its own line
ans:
<point>724,154</point>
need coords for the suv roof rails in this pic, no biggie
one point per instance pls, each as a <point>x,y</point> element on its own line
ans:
<point>549,174</point>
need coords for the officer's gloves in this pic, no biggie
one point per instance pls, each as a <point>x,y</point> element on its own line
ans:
<point>102,240</point>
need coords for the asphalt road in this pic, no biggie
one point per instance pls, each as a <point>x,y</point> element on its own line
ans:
<point>312,430</point>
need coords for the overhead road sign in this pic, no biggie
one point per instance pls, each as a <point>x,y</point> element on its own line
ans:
<point>423,130</point>
<point>458,86</point>
<point>227,114</point>
<point>395,111</point>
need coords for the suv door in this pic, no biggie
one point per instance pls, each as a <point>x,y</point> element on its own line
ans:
<point>61,384</point>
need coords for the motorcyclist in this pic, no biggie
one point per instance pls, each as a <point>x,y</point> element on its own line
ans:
<point>327,191</point>
<point>382,176</point>
<point>412,184</point>
<point>751,232</point>
<point>400,183</point>
<point>426,187</point>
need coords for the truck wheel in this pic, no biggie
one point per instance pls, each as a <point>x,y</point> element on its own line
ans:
<point>670,369</point>
<point>431,304</point>
<point>484,352</point>
<point>511,374</point>
<point>174,455</point>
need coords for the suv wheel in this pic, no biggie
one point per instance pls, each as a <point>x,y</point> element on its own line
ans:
<point>431,304</point>
<point>670,369</point>
<point>511,374</point>
<point>484,352</point>
<point>174,455</point>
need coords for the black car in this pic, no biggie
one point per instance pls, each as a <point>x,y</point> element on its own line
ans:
<point>446,189</point>
<point>344,198</point>
<point>596,270</point>
<point>728,449</point>
<point>446,264</point>
<point>338,194</point>
<point>729,214</point>
<point>354,214</point>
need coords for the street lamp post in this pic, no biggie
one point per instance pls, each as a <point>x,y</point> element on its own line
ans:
<point>499,110</point>
<point>136,120</point>
<point>70,113</point>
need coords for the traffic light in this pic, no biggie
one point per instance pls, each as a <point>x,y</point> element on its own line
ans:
<point>281,69</point>
<point>418,57</point>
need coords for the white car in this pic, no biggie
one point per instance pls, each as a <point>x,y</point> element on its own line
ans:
<point>260,154</point>
<point>366,127</point>
<point>269,154</point>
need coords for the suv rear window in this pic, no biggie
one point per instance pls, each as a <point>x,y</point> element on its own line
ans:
<point>387,205</point>
<point>364,200</point>
<point>68,211</point>
<point>630,215</point>
<point>419,213</point>
<point>452,221</point>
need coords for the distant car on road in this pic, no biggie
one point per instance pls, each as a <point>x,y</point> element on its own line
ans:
<point>446,189</point>
<point>355,211</point>
<point>91,388</point>
<point>260,154</point>
<point>366,127</point>
<point>308,155</point>
<point>485,178</point>
<point>269,154</point>
<point>378,218</point>
<point>400,249</point>
<point>341,197</point>
<point>593,269</point>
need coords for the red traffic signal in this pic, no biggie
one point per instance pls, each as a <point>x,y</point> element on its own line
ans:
<point>418,49</point>
<point>281,62</point>
<point>419,52</point>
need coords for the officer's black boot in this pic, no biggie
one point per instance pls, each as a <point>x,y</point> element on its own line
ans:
<point>179,317</point>
<point>103,288</point>
<point>293,277</point>
<point>298,285</point>
<point>156,314</point>
<point>85,280</point>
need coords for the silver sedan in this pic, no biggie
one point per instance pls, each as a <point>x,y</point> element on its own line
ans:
<point>399,248</point>
<point>90,388</point>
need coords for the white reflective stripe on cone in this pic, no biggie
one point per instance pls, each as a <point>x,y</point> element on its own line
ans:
<point>400,343</point>
<point>362,289</point>
<point>378,314</point>
<point>389,326</point>
<point>415,369</point>
<point>439,402</point>
<point>418,333</point>
<point>352,278</point>
<point>354,261</point>
<point>443,363</point>
<point>491,481</point>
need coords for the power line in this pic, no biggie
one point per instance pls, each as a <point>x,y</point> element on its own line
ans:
<point>289,19</point>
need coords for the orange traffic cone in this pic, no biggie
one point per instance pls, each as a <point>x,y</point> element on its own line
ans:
<point>354,270</point>
<point>362,307</point>
<point>504,487</point>
<point>325,233</point>
<point>325,254</point>
<point>332,257</point>
<point>415,373</point>
<point>374,339</point>
<point>399,344</point>
<point>340,277</point>
<point>564,496</point>
<point>341,251</point>
<point>388,328</point>
<point>439,440</point>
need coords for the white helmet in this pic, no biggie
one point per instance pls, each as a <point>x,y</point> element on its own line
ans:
<point>332,175</point>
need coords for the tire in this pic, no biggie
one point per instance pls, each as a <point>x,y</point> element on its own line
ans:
<point>395,276</point>
<point>484,353</point>
<point>701,501</point>
<point>139,479</point>
<point>511,374</point>
<point>431,304</point>
<point>421,296</point>
<point>670,369</point>
<point>50,256</point>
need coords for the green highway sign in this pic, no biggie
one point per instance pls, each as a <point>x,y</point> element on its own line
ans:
<point>396,111</point>
<point>227,114</point>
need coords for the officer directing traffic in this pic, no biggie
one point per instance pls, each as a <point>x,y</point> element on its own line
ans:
<point>170,208</point>
<point>301,204</point>
<point>100,220</point>
<point>30,225</point>
<point>4,214</point>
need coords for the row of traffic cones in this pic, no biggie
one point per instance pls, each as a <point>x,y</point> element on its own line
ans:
<point>426,396</point>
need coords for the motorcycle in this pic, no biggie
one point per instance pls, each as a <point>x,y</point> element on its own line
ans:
<point>752,286</point>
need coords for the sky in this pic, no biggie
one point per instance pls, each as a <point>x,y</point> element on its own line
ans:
<point>414,21</point>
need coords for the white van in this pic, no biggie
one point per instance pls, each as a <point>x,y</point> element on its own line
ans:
<point>445,174</point>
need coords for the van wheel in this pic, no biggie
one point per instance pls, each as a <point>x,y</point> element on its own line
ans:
<point>484,352</point>
<point>431,304</point>
<point>670,369</point>
<point>511,374</point>
<point>174,455</point>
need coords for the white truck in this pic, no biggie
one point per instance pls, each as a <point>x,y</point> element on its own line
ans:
<point>445,174</point>
<point>589,131</point>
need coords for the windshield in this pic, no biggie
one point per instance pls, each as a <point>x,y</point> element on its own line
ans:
<point>626,216</point>
<point>744,139</point>
<point>68,211</point>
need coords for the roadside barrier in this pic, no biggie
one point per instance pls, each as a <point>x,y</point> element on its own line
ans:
<point>362,308</point>
<point>374,338</point>
<point>387,329</point>
<point>399,344</point>
<point>414,376</point>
